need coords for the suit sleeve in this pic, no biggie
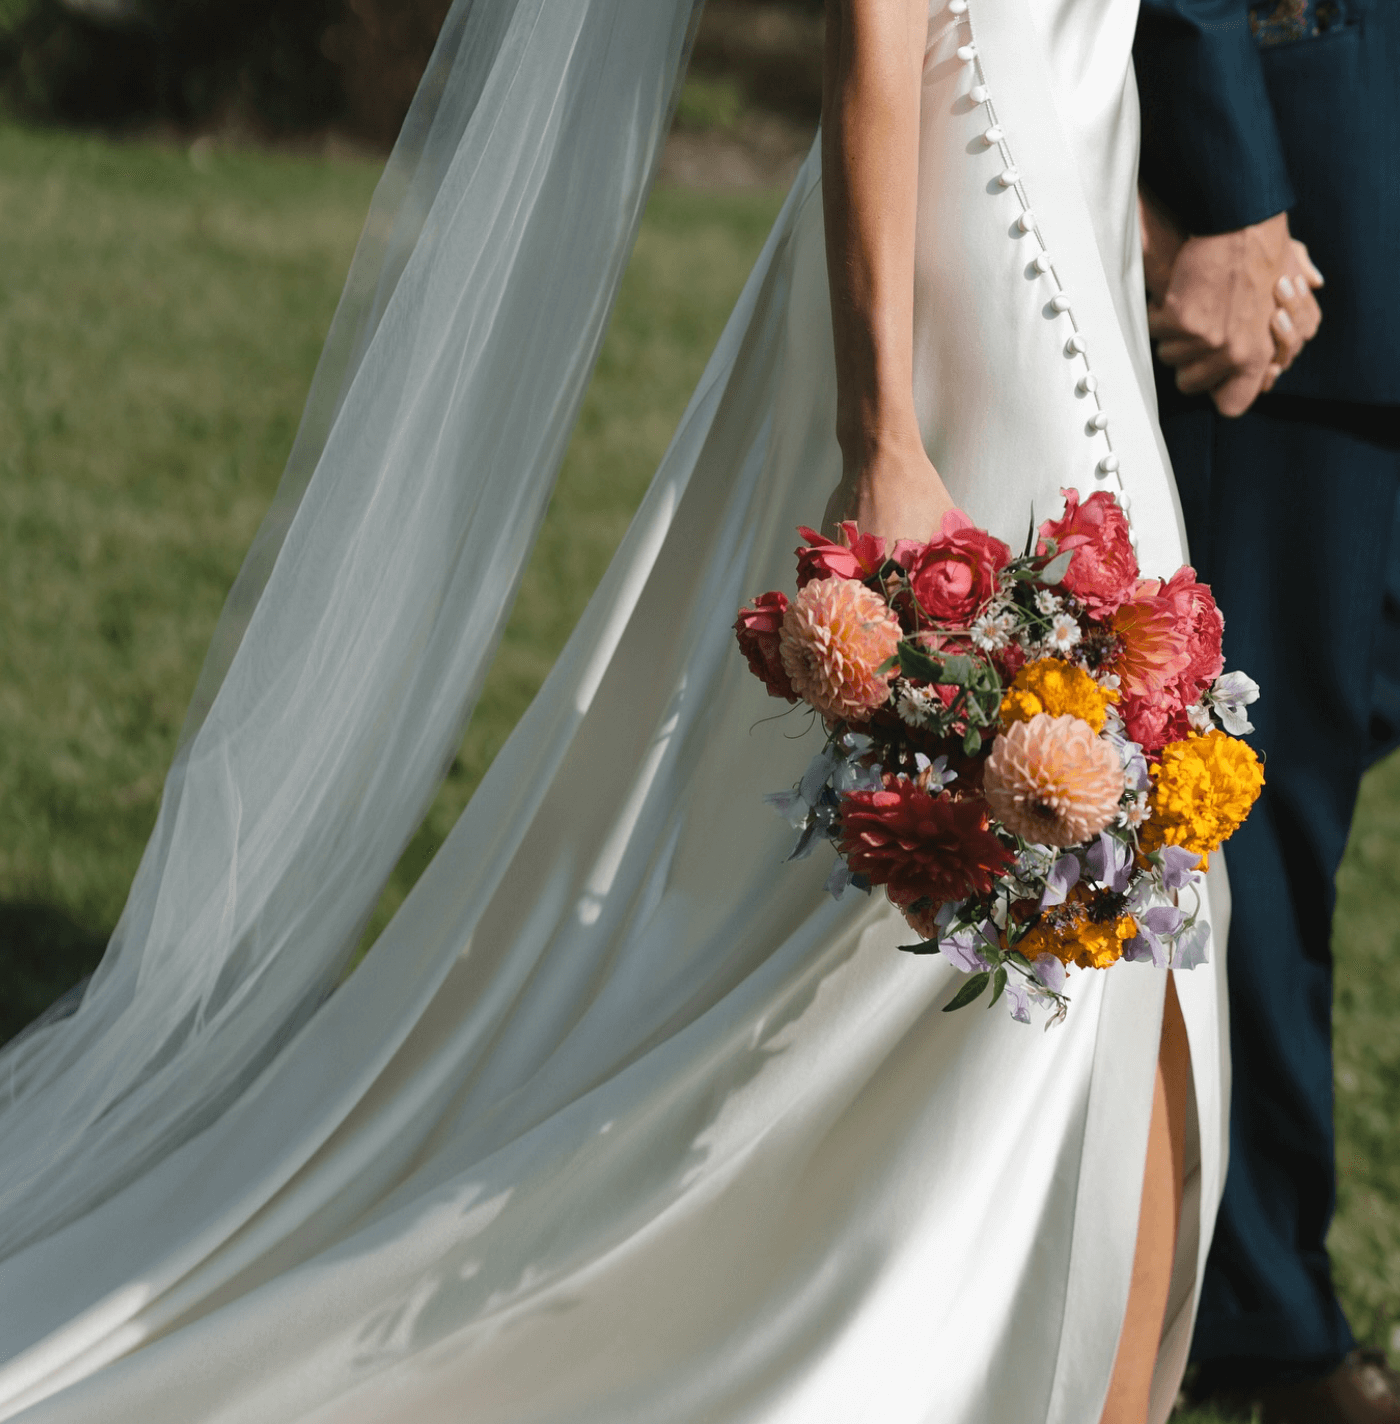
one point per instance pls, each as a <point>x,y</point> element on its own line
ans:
<point>1210,149</point>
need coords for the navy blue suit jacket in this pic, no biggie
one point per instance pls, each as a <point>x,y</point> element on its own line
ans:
<point>1299,110</point>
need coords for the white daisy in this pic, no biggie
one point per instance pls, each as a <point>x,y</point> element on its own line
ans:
<point>1135,812</point>
<point>916,705</point>
<point>1048,602</point>
<point>1064,633</point>
<point>993,630</point>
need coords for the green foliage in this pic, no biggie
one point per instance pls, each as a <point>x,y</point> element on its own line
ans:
<point>710,102</point>
<point>972,986</point>
<point>181,61</point>
<point>158,326</point>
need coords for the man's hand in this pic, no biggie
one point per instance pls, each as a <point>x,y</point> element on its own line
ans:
<point>1236,310</point>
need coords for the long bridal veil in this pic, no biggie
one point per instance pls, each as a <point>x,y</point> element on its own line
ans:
<point>618,1122</point>
<point>355,640</point>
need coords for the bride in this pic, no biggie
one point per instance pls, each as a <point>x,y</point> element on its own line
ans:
<point>620,1119</point>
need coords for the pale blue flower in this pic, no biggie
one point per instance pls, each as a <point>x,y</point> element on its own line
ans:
<point>1156,927</point>
<point>839,881</point>
<point>1018,1000</point>
<point>790,806</point>
<point>1178,866</point>
<point>818,773</point>
<point>1110,862</point>
<point>961,948</point>
<point>1193,947</point>
<point>1063,876</point>
<point>1229,695</point>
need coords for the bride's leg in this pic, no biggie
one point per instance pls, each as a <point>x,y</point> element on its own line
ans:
<point>1162,1185</point>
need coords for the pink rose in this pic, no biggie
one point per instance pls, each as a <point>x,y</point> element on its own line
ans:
<point>954,574</point>
<point>1152,722</point>
<point>857,556</point>
<point>757,628</point>
<point>1104,568</point>
<point>1204,627</point>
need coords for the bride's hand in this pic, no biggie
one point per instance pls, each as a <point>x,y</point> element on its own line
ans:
<point>894,493</point>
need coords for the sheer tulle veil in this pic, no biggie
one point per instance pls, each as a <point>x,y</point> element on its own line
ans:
<point>617,1120</point>
<point>355,640</point>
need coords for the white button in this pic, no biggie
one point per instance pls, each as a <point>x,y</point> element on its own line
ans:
<point>1099,420</point>
<point>957,7</point>
<point>1125,503</point>
<point>1042,262</point>
<point>1009,177</point>
<point>1088,383</point>
<point>978,94</point>
<point>1026,222</point>
<point>994,134</point>
<point>1108,464</point>
<point>967,53</point>
<point>1075,346</point>
<point>1060,302</point>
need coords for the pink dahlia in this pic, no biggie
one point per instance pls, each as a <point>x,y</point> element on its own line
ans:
<point>1154,640</point>
<point>836,637</point>
<point>921,847</point>
<point>1104,568</point>
<point>1052,780</point>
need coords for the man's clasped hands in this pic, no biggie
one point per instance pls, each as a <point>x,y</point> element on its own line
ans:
<point>1229,312</point>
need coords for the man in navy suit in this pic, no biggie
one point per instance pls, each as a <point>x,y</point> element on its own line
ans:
<point>1271,142</point>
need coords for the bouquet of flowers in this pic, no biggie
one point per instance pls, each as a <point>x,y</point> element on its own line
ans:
<point>1034,756</point>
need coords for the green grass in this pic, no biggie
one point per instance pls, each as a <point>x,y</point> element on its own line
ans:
<point>158,327</point>
<point>159,323</point>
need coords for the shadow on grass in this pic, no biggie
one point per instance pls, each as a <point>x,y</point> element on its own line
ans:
<point>44,954</point>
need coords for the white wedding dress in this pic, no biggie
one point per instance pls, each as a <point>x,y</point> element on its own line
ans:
<point>621,1119</point>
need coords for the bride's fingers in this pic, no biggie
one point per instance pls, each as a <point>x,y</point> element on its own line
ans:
<point>1271,373</point>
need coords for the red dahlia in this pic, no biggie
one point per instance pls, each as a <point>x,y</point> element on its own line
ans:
<point>917,845</point>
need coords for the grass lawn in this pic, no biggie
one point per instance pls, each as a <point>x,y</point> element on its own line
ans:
<point>159,323</point>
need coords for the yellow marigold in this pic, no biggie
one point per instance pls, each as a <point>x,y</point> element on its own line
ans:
<point>1075,934</point>
<point>1059,688</point>
<point>1202,791</point>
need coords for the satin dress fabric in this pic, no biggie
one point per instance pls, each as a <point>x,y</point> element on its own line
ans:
<point>623,1119</point>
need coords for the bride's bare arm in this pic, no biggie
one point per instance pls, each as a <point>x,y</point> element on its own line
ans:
<point>870,161</point>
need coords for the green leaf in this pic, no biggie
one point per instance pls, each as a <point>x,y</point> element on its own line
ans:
<point>998,984</point>
<point>957,669</point>
<point>969,991</point>
<point>972,742</point>
<point>1057,568</point>
<point>916,663</point>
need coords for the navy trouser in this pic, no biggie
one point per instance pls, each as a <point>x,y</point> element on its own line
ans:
<point>1291,512</point>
